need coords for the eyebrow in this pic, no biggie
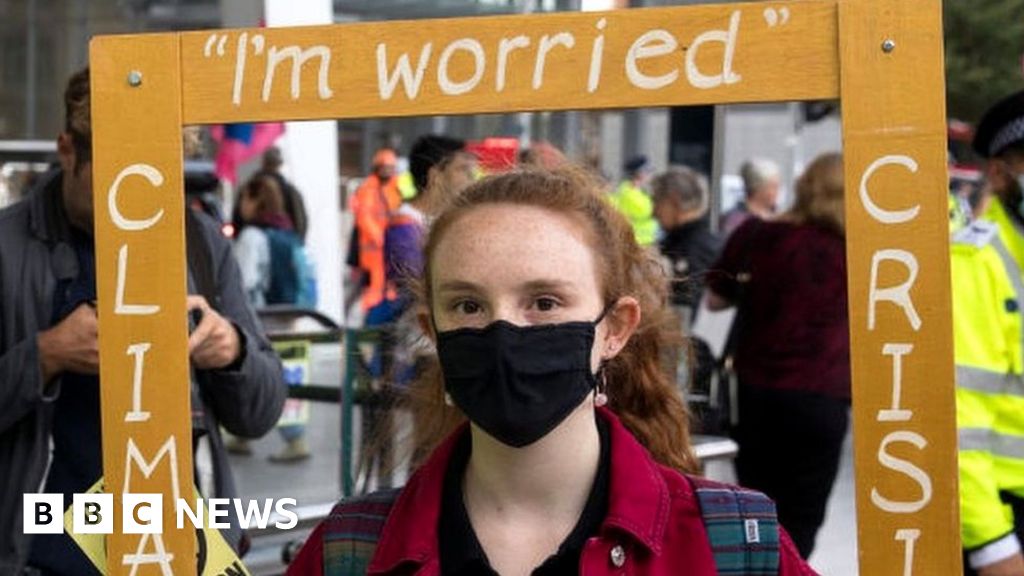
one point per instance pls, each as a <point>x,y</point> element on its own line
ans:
<point>541,285</point>
<point>458,286</point>
<point>533,285</point>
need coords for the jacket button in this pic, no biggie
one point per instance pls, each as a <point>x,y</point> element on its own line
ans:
<point>618,556</point>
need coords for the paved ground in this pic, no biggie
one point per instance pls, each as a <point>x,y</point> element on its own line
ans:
<point>836,553</point>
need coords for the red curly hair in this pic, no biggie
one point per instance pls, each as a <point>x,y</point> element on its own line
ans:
<point>641,388</point>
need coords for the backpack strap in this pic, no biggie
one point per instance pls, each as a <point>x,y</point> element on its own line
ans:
<point>352,530</point>
<point>742,528</point>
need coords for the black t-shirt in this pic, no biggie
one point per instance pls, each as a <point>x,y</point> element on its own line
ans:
<point>461,552</point>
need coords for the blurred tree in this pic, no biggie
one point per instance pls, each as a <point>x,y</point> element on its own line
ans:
<point>984,51</point>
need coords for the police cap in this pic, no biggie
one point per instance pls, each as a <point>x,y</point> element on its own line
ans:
<point>1001,127</point>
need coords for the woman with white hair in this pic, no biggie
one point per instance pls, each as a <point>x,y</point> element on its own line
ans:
<point>761,179</point>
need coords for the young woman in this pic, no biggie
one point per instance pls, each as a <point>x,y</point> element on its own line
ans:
<point>266,250</point>
<point>261,209</point>
<point>551,326</point>
<point>788,279</point>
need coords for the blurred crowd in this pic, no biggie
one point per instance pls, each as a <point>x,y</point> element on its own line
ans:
<point>775,376</point>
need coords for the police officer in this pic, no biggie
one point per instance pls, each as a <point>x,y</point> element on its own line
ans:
<point>988,290</point>
<point>989,398</point>
<point>630,198</point>
<point>1000,139</point>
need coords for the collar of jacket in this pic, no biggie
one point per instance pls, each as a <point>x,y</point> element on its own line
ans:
<point>639,502</point>
<point>46,210</point>
<point>682,232</point>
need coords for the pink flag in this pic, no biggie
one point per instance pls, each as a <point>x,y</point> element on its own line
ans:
<point>238,143</point>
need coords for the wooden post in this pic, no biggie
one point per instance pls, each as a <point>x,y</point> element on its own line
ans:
<point>139,202</point>
<point>894,132</point>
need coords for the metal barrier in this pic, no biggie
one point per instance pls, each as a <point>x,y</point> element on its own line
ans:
<point>358,386</point>
<point>282,324</point>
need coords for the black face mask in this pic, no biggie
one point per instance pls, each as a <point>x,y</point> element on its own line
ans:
<point>518,383</point>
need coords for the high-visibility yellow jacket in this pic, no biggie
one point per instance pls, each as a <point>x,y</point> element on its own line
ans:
<point>638,208</point>
<point>989,355</point>
<point>959,213</point>
<point>406,186</point>
<point>1011,232</point>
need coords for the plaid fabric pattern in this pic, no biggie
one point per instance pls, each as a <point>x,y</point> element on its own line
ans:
<point>351,532</point>
<point>742,529</point>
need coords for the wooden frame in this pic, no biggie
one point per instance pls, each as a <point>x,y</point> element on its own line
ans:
<point>882,58</point>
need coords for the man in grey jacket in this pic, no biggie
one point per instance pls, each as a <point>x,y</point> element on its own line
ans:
<point>49,354</point>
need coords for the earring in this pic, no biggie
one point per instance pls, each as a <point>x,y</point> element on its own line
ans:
<point>448,400</point>
<point>600,395</point>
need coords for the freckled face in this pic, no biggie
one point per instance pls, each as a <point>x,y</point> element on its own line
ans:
<point>521,264</point>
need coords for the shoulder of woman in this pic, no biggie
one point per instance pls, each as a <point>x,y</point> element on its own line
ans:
<point>347,539</point>
<point>751,226</point>
<point>817,236</point>
<point>724,504</point>
<point>251,236</point>
<point>360,518</point>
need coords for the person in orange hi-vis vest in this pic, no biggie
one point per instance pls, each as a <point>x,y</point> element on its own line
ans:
<point>372,205</point>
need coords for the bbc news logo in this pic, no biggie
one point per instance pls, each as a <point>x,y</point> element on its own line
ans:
<point>144,513</point>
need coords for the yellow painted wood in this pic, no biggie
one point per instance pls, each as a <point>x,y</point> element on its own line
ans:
<point>782,51</point>
<point>894,118</point>
<point>137,137</point>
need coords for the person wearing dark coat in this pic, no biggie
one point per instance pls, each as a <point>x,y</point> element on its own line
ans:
<point>688,245</point>
<point>50,438</point>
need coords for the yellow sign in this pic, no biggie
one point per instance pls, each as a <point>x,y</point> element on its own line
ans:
<point>886,56</point>
<point>295,359</point>
<point>215,556</point>
<point>655,57</point>
<point>140,283</point>
<point>894,133</point>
